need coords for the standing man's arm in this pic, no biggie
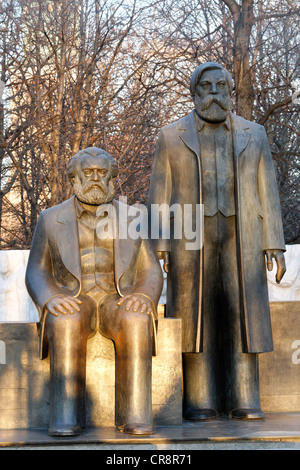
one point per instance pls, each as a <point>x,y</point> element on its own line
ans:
<point>273,237</point>
<point>160,193</point>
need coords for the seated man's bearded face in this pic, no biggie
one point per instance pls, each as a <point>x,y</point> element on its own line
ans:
<point>92,182</point>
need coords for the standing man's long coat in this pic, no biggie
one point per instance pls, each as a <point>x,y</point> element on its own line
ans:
<point>177,178</point>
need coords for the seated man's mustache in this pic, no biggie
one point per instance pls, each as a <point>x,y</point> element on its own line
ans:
<point>209,100</point>
<point>90,186</point>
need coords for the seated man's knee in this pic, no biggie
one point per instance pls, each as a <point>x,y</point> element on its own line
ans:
<point>134,335</point>
<point>134,321</point>
<point>82,321</point>
<point>116,321</point>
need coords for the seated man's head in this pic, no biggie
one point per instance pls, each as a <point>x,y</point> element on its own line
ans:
<point>92,173</point>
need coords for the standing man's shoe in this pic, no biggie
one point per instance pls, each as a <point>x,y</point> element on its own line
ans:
<point>247,413</point>
<point>200,414</point>
<point>64,430</point>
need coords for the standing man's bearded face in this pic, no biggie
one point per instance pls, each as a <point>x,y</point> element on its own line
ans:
<point>92,182</point>
<point>212,97</point>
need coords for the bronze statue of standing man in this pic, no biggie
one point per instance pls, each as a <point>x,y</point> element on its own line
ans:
<point>215,158</point>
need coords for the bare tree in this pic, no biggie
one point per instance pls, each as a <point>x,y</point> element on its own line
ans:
<point>80,73</point>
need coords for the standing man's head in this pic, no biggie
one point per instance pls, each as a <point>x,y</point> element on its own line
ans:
<point>92,173</point>
<point>211,88</point>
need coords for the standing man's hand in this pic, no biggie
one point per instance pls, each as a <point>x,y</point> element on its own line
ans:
<point>279,257</point>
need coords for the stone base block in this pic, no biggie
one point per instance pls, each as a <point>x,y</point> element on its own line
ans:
<point>280,369</point>
<point>24,378</point>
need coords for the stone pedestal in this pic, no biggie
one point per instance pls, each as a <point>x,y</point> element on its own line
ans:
<point>280,369</point>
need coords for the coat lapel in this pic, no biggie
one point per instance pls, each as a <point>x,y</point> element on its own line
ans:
<point>67,238</point>
<point>188,133</point>
<point>240,134</point>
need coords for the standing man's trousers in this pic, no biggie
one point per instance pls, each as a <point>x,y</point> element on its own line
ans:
<point>222,377</point>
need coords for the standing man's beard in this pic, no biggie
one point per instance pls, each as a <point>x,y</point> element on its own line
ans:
<point>212,108</point>
<point>90,194</point>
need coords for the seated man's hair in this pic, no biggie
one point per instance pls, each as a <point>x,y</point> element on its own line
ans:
<point>93,152</point>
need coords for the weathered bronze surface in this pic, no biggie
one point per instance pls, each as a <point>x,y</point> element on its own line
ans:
<point>82,282</point>
<point>215,158</point>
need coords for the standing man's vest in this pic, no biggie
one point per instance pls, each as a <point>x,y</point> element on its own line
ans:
<point>217,165</point>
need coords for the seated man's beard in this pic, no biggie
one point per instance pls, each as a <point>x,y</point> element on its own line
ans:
<point>89,194</point>
<point>212,108</point>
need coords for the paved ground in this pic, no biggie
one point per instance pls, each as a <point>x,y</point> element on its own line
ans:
<point>277,431</point>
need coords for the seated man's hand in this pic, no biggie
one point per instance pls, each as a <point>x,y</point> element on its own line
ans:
<point>63,304</point>
<point>136,303</point>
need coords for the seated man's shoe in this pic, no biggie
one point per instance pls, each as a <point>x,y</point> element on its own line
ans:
<point>64,430</point>
<point>138,429</point>
<point>200,414</point>
<point>247,413</point>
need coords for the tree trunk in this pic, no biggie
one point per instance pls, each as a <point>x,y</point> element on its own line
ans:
<point>243,20</point>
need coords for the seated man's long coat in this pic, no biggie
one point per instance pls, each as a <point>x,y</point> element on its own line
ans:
<point>54,265</point>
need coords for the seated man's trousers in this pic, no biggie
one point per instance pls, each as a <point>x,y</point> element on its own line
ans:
<point>67,336</point>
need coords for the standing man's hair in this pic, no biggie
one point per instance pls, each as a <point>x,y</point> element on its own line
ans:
<point>196,75</point>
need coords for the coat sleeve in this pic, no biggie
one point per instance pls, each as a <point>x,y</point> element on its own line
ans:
<point>159,195</point>
<point>149,278</point>
<point>144,276</point>
<point>273,237</point>
<point>144,273</point>
<point>39,279</point>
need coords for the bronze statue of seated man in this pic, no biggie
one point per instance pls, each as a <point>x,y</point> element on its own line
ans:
<point>82,282</point>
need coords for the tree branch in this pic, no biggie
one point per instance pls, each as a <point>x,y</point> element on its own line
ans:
<point>273,108</point>
<point>233,7</point>
<point>8,185</point>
